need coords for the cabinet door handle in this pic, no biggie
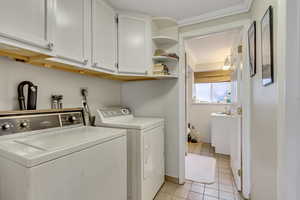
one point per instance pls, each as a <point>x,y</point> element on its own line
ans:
<point>50,45</point>
<point>85,61</point>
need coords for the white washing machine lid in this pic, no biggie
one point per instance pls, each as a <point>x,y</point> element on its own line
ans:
<point>34,149</point>
<point>139,123</point>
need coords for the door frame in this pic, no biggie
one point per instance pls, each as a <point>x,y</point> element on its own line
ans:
<point>244,24</point>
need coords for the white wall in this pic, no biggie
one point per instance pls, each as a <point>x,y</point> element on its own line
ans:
<point>49,81</point>
<point>289,100</point>
<point>158,99</point>
<point>264,118</point>
<point>199,114</point>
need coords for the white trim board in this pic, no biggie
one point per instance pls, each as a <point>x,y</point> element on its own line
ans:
<point>234,10</point>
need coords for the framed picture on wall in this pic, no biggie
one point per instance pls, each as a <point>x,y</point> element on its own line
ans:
<point>252,48</point>
<point>267,47</point>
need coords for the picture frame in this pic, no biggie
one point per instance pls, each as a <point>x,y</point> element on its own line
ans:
<point>267,52</point>
<point>252,48</point>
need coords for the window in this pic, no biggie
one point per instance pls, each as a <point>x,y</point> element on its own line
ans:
<point>212,92</point>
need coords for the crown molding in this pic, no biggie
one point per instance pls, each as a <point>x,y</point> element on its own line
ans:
<point>243,8</point>
<point>248,4</point>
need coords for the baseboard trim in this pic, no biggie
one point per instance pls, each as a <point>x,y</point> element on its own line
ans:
<point>172,179</point>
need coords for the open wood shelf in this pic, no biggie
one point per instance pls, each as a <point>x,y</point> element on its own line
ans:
<point>91,72</point>
<point>41,60</point>
<point>171,76</point>
<point>20,54</point>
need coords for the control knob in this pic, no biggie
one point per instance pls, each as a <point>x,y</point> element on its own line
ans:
<point>24,124</point>
<point>72,119</point>
<point>5,126</point>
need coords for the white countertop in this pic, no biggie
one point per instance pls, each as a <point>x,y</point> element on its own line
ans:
<point>224,115</point>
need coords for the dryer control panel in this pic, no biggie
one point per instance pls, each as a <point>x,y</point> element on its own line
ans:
<point>110,112</point>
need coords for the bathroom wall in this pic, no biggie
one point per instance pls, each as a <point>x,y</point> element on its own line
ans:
<point>101,92</point>
<point>264,117</point>
<point>199,114</point>
<point>200,117</point>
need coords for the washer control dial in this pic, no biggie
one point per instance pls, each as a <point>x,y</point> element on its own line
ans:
<point>125,111</point>
<point>24,124</point>
<point>72,119</point>
<point>6,126</point>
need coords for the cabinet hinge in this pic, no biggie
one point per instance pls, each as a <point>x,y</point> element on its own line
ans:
<point>240,49</point>
<point>240,110</point>
<point>117,19</point>
<point>240,172</point>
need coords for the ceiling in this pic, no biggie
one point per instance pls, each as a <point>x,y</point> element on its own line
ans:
<point>185,11</point>
<point>211,49</point>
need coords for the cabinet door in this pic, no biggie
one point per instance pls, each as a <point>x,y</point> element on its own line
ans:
<point>221,134</point>
<point>132,38</point>
<point>69,34</point>
<point>26,22</point>
<point>104,36</point>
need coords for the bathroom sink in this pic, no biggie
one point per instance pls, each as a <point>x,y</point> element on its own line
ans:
<point>221,114</point>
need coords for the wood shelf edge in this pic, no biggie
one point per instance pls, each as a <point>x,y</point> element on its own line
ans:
<point>40,60</point>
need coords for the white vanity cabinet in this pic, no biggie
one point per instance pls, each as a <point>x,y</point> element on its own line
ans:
<point>27,24</point>
<point>104,36</point>
<point>133,44</point>
<point>71,32</point>
<point>221,131</point>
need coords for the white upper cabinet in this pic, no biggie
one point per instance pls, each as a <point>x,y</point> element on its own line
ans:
<point>71,31</point>
<point>133,45</point>
<point>104,36</point>
<point>26,23</point>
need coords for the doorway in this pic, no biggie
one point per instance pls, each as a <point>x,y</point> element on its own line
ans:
<point>201,142</point>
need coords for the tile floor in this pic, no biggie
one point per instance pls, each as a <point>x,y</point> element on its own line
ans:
<point>222,189</point>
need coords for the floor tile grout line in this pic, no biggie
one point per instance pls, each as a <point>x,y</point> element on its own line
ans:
<point>219,197</point>
<point>204,192</point>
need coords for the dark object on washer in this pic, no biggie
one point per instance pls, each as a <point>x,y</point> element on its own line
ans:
<point>189,138</point>
<point>32,96</point>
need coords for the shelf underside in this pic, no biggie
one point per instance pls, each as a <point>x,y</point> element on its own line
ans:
<point>164,40</point>
<point>41,60</point>
<point>164,22</point>
<point>164,59</point>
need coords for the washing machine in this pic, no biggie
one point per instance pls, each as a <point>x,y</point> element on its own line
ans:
<point>145,150</point>
<point>51,154</point>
